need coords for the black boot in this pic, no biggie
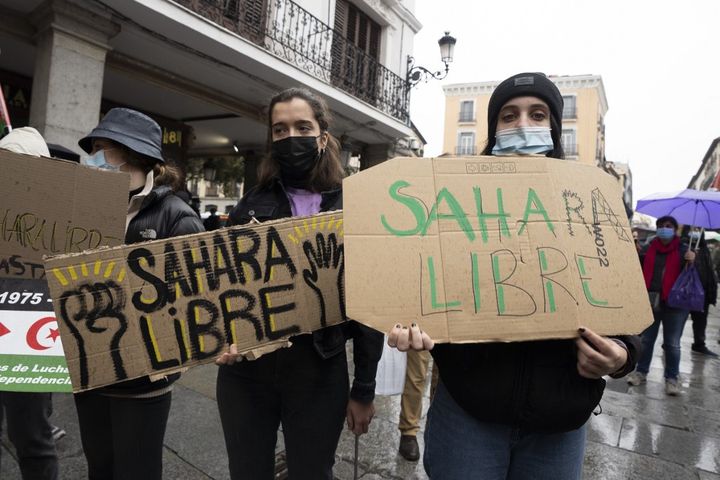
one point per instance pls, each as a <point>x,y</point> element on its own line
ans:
<point>409,448</point>
<point>703,350</point>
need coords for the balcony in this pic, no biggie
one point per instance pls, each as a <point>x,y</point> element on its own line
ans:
<point>293,34</point>
<point>466,117</point>
<point>466,150</point>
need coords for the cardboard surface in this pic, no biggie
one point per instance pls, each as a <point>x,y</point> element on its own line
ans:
<point>52,207</point>
<point>160,306</point>
<point>48,206</point>
<point>491,249</point>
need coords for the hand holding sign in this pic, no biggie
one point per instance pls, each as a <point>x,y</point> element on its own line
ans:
<point>327,266</point>
<point>598,356</point>
<point>404,338</point>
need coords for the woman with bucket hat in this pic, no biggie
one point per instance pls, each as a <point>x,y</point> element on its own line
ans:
<point>122,426</point>
<point>517,410</point>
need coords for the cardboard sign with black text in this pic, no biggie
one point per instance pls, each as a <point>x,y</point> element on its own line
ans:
<point>53,207</point>
<point>159,306</point>
<point>47,207</point>
<point>491,249</point>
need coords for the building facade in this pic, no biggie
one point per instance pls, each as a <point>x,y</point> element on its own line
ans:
<point>708,175</point>
<point>583,134</point>
<point>206,69</point>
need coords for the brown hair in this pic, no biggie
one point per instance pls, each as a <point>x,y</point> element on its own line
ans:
<point>328,173</point>
<point>163,173</point>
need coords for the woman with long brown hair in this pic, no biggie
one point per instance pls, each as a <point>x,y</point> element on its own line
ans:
<point>304,387</point>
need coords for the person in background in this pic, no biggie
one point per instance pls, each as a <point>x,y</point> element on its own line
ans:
<point>662,265</point>
<point>28,414</point>
<point>708,278</point>
<point>517,410</point>
<point>122,426</point>
<point>411,404</point>
<point>304,387</point>
<point>638,247</point>
<point>213,221</point>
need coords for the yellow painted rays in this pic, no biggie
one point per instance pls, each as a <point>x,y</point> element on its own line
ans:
<point>98,268</point>
<point>316,223</point>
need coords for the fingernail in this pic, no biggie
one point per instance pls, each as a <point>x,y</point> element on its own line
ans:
<point>414,324</point>
<point>397,325</point>
<point>404,328</point>
<point>581,329</point>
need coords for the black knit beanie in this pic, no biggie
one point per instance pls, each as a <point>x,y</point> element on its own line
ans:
<point>520,85</point>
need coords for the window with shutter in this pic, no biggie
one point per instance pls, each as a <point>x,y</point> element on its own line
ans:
<point>355,50</point>
<point>340,64</point>
<point>466,111</point>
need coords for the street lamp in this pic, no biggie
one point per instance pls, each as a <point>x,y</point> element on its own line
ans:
<point>209,171</point>
<point>416,74</point>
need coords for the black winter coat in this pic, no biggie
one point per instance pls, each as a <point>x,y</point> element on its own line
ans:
<point>161,215</point>
<point>531,385</point>
<point>271,203</point>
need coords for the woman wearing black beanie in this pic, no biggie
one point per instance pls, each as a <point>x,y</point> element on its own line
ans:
<point>517,410</point>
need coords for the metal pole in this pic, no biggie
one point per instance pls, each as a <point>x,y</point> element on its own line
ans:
<point>4,114</point>
<point>693,224</point>
<point>355,473</point>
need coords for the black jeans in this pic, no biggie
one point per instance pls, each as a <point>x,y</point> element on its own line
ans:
<point>699,321</point>
<point>293,386</point>
<point>123,437</point>
<point>29,430</point>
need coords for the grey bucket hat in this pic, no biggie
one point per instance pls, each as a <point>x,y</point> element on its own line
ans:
<point>130,128</point>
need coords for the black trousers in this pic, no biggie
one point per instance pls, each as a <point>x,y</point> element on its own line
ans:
<point>699,321</point>
<point>123,437</point>
<point>293,386</point>
<point>29,430</point>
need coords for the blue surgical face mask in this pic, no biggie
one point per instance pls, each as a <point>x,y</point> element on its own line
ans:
<point>523,141</point>
<point>97,160</point>
<point>665,233</point>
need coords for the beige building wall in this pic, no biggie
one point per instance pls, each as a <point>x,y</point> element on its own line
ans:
<point>584,129</point>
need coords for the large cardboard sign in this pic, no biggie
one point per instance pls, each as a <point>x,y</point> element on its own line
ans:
<point>52,207</point>
<point>156,307</point>
<point>47,206</point>
<point>491,249</point>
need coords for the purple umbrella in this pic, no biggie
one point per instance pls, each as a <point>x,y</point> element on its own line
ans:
<point>696,208</point>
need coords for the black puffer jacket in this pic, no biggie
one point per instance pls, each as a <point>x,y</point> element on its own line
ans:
<point>161,215</point>
<point>272,203</point>
<point>531,385</point>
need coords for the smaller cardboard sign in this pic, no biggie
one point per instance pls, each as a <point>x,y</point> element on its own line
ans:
<point>157,307</point>
<point>52,207</point>
<point>491,249</point>
<point>48,206</point>
<point>32,358</point>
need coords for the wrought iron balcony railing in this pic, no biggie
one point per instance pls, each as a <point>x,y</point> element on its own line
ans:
<point>290,32</point>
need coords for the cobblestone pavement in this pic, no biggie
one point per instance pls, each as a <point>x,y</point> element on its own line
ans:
<point>642,433</point>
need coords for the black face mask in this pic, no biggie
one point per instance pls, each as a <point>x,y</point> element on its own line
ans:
<point>296,157</point>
